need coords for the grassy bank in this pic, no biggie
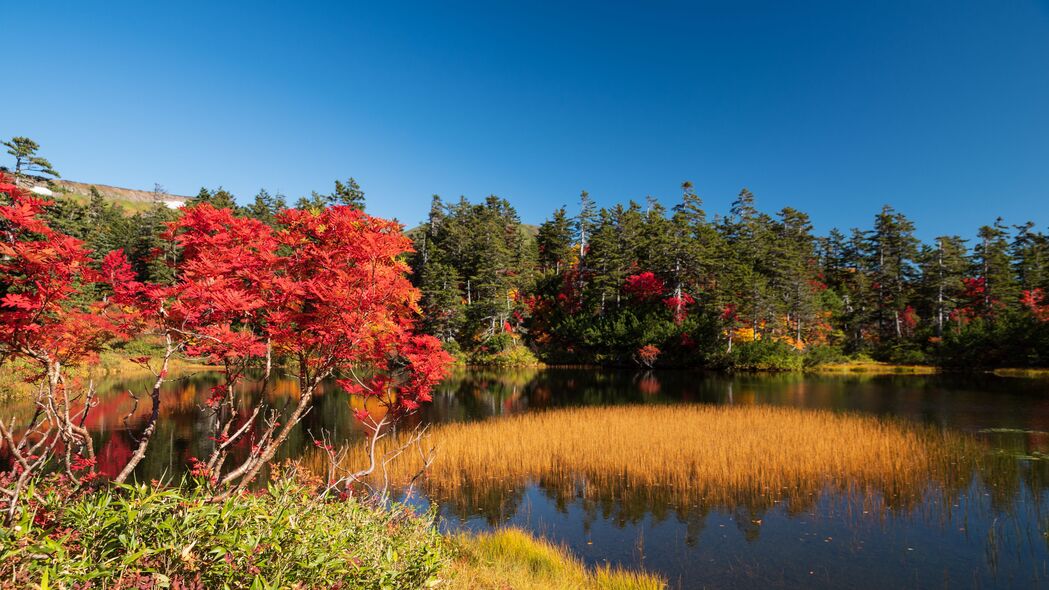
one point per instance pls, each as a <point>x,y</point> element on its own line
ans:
<point>511,558</point>
<point>872,368</point>
<point>690,455</point>
<point>156,537</point>
<point>111,364</point>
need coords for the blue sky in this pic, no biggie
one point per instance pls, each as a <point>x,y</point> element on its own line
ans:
<point>835,108</point>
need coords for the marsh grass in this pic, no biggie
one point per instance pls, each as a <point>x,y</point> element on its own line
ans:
<point>872,368</point>
<point>689,455</point>
<point>511,558</point>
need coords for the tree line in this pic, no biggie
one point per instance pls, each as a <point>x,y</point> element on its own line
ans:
<point>640,283</point>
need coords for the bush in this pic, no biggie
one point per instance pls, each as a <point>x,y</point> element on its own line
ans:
<point>453,348</point>
<point>905,354</point>
<point>499,342</point>
<point>515,356</point>
<point>823,355</point>
<point>151,536</point>
<point>763,355</point>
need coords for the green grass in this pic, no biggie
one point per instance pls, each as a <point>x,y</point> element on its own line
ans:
<point>147,536</point>
<point>130,207</point>
<point>153,536</point>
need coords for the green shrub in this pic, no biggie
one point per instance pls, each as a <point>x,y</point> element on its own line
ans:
<point>906,354</point>
<point>453,348</point>
<point>823,355</point>
<point>515,356</point>
<point>149,536</point>
<point>499,342</point>
<point>763,355</point>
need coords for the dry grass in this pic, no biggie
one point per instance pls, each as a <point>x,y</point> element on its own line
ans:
<point>689,455</point>
<point>1023,373</point>
<point>511,558</point>
<point>873,368</point>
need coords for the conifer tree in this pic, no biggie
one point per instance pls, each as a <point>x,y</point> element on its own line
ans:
<point>993,266</point>
<point>24,152</point>
<point>554,242</point>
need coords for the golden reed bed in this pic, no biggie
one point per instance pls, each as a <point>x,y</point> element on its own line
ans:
<point>687,455</point>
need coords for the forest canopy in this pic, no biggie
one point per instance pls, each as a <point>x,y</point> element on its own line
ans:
<point>646,285</point>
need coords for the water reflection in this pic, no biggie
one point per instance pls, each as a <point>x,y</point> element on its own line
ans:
<point>984,528</point>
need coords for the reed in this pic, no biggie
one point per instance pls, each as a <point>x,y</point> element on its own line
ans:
<point>688,455</point>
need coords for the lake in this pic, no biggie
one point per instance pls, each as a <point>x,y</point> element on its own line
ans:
<point>987,531</point>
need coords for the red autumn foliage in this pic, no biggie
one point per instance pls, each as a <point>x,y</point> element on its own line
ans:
<point>678,304</point>
<point>41,271</point>
<point>728,313</point>
<point>975,287</point>
<point>45,323</point>
<point>975,302</point>
<point>909,319</point>
<point>327,292</point>
<point>647,355</point>
<point>1037,303</point>
<point>644,286</point>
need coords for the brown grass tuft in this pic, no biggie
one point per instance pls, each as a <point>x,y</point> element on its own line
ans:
<point>687,455</point>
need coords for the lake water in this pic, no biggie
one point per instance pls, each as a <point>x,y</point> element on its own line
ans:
<point>988,533</point>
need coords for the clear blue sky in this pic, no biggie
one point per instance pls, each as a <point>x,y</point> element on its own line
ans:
<point>835,108</point>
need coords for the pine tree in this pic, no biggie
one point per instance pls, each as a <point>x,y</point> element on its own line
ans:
<point>1030,255</point>
<point>263,207</point>
<point>554,241</point>
<point>891,250</point>
<point>943,270</point>
<point>747,238</point>
<point>585,222</point>
<point>348,194</point>
<point>152,256</point>
<point>24,151</point>
<point>792,268</point>
<point>219,198</point>
<point>993,266</point>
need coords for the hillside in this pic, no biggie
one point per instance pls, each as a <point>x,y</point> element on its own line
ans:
<point>131,199</point>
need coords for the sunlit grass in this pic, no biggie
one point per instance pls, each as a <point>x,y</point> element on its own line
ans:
<point>873,368</point>
<point>686,455</point>
<point>511,558</point>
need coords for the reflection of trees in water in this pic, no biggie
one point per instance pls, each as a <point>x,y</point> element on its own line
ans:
<point>496,504</point>
<point>476,394</point>
<point>1011,488</point>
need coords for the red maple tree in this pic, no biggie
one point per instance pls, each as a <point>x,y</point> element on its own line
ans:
<point>644,286</point>
<point>48,324</point>
<point>326,293</point>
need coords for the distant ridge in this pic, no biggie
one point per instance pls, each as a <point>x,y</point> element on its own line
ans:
<point>135,199</point>
<point>114,193</point>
